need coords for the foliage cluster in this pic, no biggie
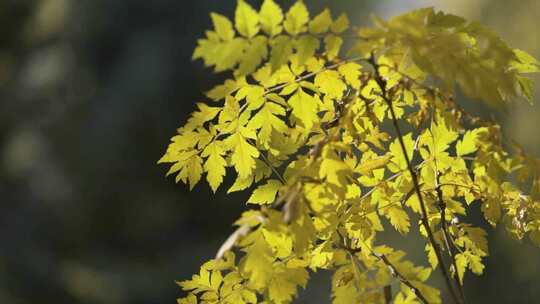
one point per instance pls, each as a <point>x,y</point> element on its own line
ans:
<point>341,144</point>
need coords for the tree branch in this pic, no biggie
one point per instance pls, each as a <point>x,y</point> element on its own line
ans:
<point>400,277</point>
<point>382,85</point>
<point>449,248</point>
<point>387,290</point>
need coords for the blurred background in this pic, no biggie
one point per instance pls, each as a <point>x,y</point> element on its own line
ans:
<point>90,93</point>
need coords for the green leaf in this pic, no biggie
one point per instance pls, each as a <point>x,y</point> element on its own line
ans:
<point>246,19</point>
<point>271,17</point>
<point>296,18</point>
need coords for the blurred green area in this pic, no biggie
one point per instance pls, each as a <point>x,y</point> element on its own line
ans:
<point>92,90</point>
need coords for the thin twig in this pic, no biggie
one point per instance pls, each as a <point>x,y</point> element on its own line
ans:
<point>382,85</point>
<point>267,162</point>
<point>442,207</point>
<point>399,276</point>
<point>387,290</point>
<point>308,75</point>
<point>446,237</point>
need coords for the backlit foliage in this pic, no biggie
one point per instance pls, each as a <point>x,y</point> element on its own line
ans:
<point>338,145</point>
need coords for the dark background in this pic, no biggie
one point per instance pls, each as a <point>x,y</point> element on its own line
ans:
<point>90,93</point>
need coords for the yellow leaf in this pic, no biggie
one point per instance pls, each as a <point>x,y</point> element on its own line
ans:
<point>409,298</point>
<point>329,83</point>
<point>304,108</point>
<point>351,72</point>
<point>397,152</point>
<point>341,24</point>
<point>367,167</point>
<point>432,256</point>
<point>281,243</point>
<point>222,26</point>
<point>469,142</point>
<point>332,44</point>
<point>216,279</point>
<point>321,22</point>
<point>271,17</point>
<point>215,164</point>
<point>257,262</point>
<point>399,219</point>
<point>256,52</point>
<point>283,285</point>
<point>240,184</point>
<point>461,262</point>
<point>306,47</point>
<point>491,208</point>
<point>282,48</point>
<point>246,19</point>
<point>334,170</point>
<point>190,170</point>
<point>296,18</point>
<point>231,110</point>
<point>253,94</point>
<point>204,114</point>
<point>220,91</point>
<point>244,154</point>
<point>478,238</point>
<point>223,55</point>
<point>443,137</point>
<point>475,263</point>
<point>322,256</point>
<point>189,299</point>
<point>265,194</point>
<point>267,120</point>
<point>525,63</point>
